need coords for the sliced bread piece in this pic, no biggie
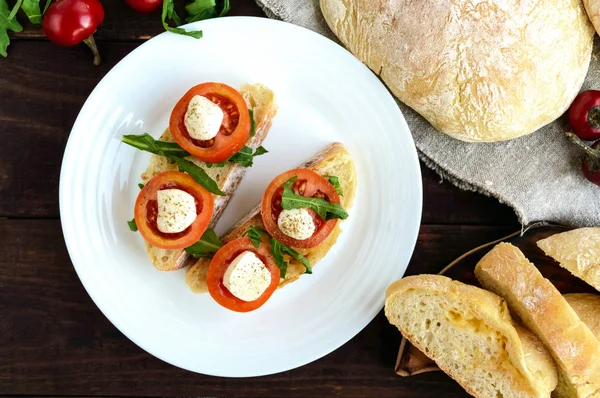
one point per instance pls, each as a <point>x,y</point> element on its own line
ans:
<point>261,100</point>
<point>469,333</point>
<point>587,307</point>
<point>506,272</point>
<point>334,160</point>
<point>578,251</point>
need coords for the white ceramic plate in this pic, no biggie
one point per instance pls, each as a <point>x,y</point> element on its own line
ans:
<point>324,95</point>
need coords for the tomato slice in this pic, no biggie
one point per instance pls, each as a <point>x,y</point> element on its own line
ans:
<point>234,131</point>
<point>146,210</point>
<point>221,261</point>
<point>309,184</point>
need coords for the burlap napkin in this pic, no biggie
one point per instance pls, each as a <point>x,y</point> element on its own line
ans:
<point>539,175</point>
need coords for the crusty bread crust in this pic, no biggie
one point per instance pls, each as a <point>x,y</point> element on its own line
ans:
<point>578,251</point>
<point>262,100</point>
<point>526,367</point>
<point>333,160</point>
<point>506,272</point>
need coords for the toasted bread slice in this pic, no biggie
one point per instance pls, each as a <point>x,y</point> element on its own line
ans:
<point>334,160</point>
<point>262,101</point>
<point>578,251</point>
<point>506,272</point>
<point>470,334</point>
<point>587,307</point>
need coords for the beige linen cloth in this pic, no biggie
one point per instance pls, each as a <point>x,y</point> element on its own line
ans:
<point>539,175</point>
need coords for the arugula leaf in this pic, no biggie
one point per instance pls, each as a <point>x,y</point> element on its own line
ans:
<point>7,23</point>
<point>205,9</point>
<point>254,234</point>
<point>245,157</point>
<point>297,256</point>
<point>336,184</point>
<point>175,154</point>
<point>145,142</point>
<point>207,246</point>
<point>132,225</point>
<point>46,6</point>
<point>141,185</point>
<point>278,250</point>
<point>198,174</point>
<point>325,210</point>
<point>168,13</point>
<point>252,123</point>
<point>32,10</point>
<point>277,253</point>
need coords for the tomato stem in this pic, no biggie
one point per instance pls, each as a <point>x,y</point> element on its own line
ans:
<point>91,43</point>
<point>592,155</point>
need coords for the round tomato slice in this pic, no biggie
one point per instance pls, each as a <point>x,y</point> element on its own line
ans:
<point>146,211</point>
<point>235,128</point>
<point>308,184</point>
<point>221,261</point>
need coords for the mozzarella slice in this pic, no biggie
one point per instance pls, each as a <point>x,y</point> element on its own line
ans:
<point>296,223</point>
<point>176,210</point>
<point>247,277</point>
<point>203,118</point>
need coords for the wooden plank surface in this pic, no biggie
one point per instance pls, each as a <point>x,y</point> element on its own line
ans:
<point>55,341</point>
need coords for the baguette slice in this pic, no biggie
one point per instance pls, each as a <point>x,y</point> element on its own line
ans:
<point>506,272</point>
<point>469,333</point>
<point>262,100</point>
<point>333,160</point>
<point>587,307</point>
<point>578,251</point>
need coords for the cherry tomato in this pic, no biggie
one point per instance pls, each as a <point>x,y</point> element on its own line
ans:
<point>221,261</point>
<point>309,184</point>
<point>234,131</point>
<point>146,210</point>
<point>584,115</point>
<point>70,22</point>
<point>591,166</point>
<point>144,6</point>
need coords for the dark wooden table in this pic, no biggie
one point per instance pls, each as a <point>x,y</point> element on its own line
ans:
<point>53,339</point>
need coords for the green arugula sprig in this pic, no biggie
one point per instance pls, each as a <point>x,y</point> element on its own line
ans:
<point>278,250</point>
<point>205,9</point>
<point>207,246</point>
<point>244,157</point>
<point>325,210</point>
<point>169,14</point>
<point>175,154</point>
<point>8,21</point>
<point>333,180</point>
<point>132,225</point>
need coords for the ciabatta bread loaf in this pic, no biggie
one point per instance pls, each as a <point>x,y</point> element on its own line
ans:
<point>470,334</point>
<point>487,70</point>
<point>506,272</point>
<point>578,251</point>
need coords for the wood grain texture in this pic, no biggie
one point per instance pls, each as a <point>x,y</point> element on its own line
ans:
<point>56,342</point>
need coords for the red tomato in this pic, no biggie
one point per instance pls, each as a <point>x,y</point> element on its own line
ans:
<point>234,131</point>
<point>309,184</point>
<point>146,210</point>
<point>584,115</point>
<point>221,261</point>
<point>591,168</point>
<point>144,6</point>
<point>69,22</point>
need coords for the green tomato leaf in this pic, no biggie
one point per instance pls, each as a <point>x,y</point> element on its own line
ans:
<point>252,123</point>
<point>32,10</point>
<point>325,210</point>
<point>7,23</point>
<point>198,10</point>
<point>254,234</point>
<point>145,142</point>
<point>336,184</point>
<point>207,246</point>
<point>132,225</point>
<point>168,13</point>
